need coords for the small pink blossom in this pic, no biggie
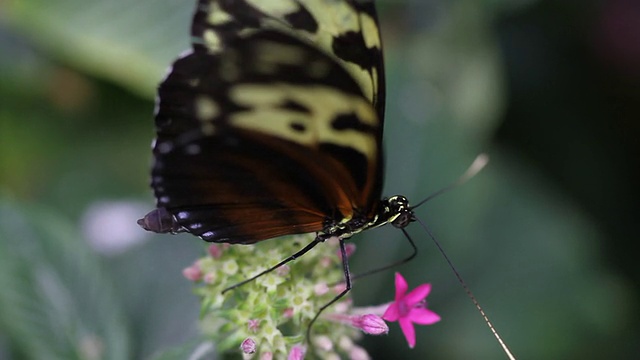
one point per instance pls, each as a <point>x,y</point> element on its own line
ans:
<point>323,343</point>
<point>321,289</point>
<point>268,355</point>
<point>215,251</point>
<point>253,325</point>
<point>340,287</point>
<point>283,270</point>
<point>326,262</point>
<point>297,353</point>
<point>248,346</point>
<point>343,306</point>
<point>287,313</point>
<point>192,272</point>
<point>411,308</point>
<point>358,353</point>
<point>209,278</point>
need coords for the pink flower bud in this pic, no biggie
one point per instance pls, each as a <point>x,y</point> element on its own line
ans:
<point>371,324</point>
<point>267,355</point>
<point>287,313</point>
<point>297,352</point>
<point>192,272</point>
<point>209,278</point>
<point>358,353</point>
<point>321,289</point>
<point>325,262</point>
<point>215,251</point>
<point>338,288</point>
<point>248,346</point>
<point>283,270</point>
<point>253,325</point>
<point>323,343</point>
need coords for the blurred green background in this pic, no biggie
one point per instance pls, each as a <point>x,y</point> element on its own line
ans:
<point>544,236</point>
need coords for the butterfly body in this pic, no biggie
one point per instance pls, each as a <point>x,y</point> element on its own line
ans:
<point>394,210</point>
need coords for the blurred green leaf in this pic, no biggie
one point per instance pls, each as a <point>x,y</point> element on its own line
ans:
<point>131,43</point>
<point>56,301</point>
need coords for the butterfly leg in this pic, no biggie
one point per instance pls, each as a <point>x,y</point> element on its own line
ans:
<point>301,252</point>
<point>347,279</point>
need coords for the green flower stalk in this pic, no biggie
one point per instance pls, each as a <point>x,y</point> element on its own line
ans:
<point>268,318</point>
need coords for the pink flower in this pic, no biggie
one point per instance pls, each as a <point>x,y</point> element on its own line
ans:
<point>410,308</point>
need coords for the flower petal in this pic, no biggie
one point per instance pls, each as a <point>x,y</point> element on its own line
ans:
<point>408,331</point>
<point>418,294</point>
<point>392,313</point>
<point>423,316</point>
<point>401,286</point>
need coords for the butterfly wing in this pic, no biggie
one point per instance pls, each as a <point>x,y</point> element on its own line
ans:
<point>272,124</point>
<point>346,30</point>
<point>267,138</point>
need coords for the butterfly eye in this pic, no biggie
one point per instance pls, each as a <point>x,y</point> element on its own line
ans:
<point>400,211</point>
<point>404,219</point>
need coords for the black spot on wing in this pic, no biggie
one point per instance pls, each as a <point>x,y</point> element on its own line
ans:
<point>351,122</point>
<point>295,106</point>
<point>303,20</point>
<point>351,47</point>
<point>287,72</point>
<point>298,127</point>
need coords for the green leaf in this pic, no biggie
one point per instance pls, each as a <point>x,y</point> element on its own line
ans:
<point>131,43</point>
<point>55,300</point>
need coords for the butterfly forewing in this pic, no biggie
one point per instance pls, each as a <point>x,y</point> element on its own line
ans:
<point>346,30</point>
<point>269,137</point>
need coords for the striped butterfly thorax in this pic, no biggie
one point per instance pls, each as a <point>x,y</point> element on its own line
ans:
<point>272,124</point>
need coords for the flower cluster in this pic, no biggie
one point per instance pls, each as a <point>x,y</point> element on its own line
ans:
<point>268,318</point>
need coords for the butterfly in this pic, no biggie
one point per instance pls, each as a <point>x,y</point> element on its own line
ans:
<point>272,124</point>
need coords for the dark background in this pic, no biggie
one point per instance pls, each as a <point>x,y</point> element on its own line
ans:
<point>544,236</point>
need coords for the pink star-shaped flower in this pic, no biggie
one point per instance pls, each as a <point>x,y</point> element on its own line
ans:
<point>409,309</point>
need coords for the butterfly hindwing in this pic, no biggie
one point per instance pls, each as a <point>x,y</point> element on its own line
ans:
<point>269,137</point>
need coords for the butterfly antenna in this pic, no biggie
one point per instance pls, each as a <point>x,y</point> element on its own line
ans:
<point>478,164</point>
<point>468,291</point>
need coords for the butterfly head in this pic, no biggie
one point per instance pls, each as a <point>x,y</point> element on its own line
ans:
<point>398,211</point>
